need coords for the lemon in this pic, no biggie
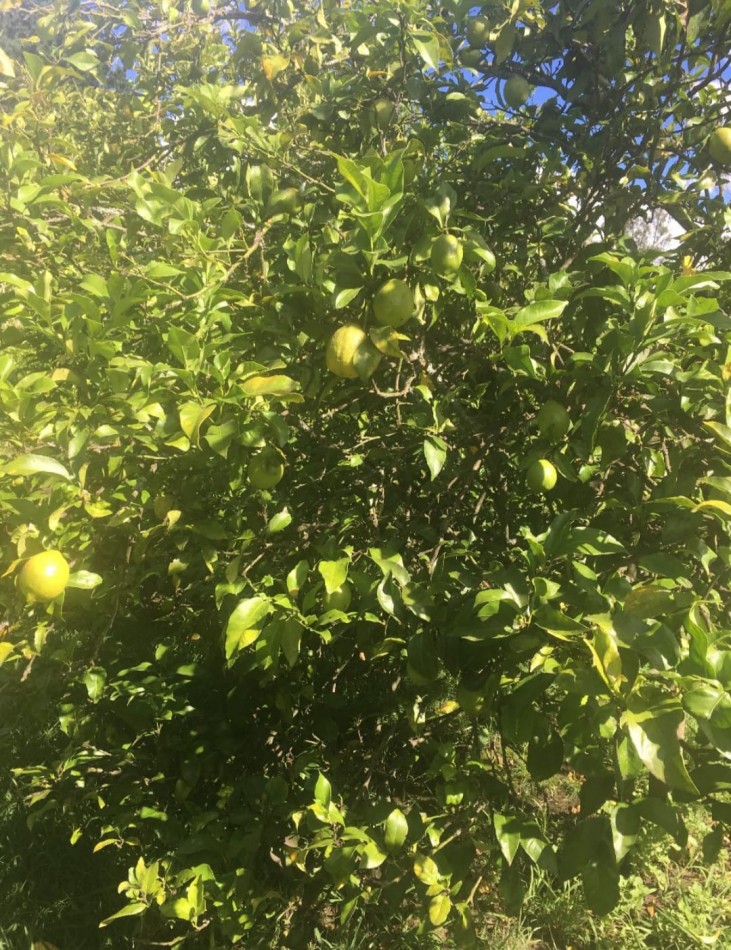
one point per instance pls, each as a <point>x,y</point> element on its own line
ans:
<point>541,476</point>
<point>477,31</point>
<point>342,348</point>
<point>382,112</point>
<point>719,145</point>
<point>553,421</point>
<point>338,599</point>
<point>446,255</point>
<point>516,92</point>
<point>266,469</point>
<point>44,576</point>
<point>393,303</point>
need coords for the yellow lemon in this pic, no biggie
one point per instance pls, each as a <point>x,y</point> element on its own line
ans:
<point>44,576</point>
<point>342,348</point>
<point>393,303</point>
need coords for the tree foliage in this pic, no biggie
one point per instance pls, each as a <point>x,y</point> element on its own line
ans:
<point>339,693</point>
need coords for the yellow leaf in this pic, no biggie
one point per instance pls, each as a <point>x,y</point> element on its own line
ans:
<point>274,65</point>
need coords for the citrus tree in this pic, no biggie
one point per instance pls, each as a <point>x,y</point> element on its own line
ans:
<point>360,480</point>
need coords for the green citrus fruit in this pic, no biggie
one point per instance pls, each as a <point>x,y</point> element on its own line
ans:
<point>477,31</point>
<point>283,201</point>
<point>719,145</point>
<point>201,7</point>
<point>470,57</point>
<point>393,303</point>
<point>342,348</point>
<point>516,92</point>
<point>266,469</point>
<point>446,255</point>
<point>541,476</point>
<point>44,576</point>
<point>553,421</point>
<point>339,599</point>
<point>382,112</point>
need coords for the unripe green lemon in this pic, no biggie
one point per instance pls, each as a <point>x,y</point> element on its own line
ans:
<point>393,303</point>
<point>477,31</point>
<point>339,599</point>
<point>342,348</point>
<point>446,255</point>
<point>541,476</point>
<point>516,92</point>
<point>283,201</point>
<point>266,469</point>
<point>201,7</point>
<point>719,145</point>
<point>44,576</point>
<point>553,421</point>
<point>382,112</point>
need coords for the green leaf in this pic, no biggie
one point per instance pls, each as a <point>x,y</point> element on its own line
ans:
<point>654,734</point>
<point>279,522</point>
<point>334,573</point>
<point>426,870</point>
<point>372,856</point>
<point>85,61</point>
<point>243,626</point>
<point>538,312</point>
<point>291,639</point>
<point>507,831</point>
<point>601,885</point>
<point>192,417</point>
<point>558,624</point>
<point>131,910</point>
<point>439,908</point>
<point>95,680</point>
<point>435,453</point>
<point>390,563</point>
<point>397,828</point>
<point>269,386</point>
<point>297,577</point>
<point>625,821</point>
<point>323,791</point>
<point>722,432</point>
<point>84,580</point>
<point>34,465</point>
<point>427,46</point>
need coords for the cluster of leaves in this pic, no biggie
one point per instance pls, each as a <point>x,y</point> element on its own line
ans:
<point>191,203</point>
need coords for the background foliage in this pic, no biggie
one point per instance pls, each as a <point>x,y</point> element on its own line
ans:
<point>192,201</point>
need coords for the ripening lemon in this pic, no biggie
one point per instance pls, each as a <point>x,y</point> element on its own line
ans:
<point>382,112</point>
<point>44,576</point>
<point>719,145</point>
<point>477,32</point>
<point>266,469</point>
<point>516,92</point>
<point>446,255</point>
<point>342,348</point>
<point>541,476</point>
<point>201,7</point>
<point>338,599</point>
<point>393,303</point>
<point>553,421</point>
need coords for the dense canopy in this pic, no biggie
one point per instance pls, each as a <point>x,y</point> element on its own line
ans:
<point>328,637</point>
